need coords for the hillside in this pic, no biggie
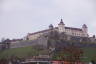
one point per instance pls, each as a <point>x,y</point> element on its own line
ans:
<point>23,52</point>
<point>59,42</point>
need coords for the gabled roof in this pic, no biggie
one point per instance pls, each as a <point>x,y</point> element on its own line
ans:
<point>14,40</point>
<point>55,28</point>
<point>39,32</point>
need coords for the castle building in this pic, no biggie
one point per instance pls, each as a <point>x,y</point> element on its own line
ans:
<point>70,31</point>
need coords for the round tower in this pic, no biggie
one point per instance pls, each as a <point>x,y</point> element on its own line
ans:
<point>50,26</point>
<point>61,26</point>
<point>85,30</point>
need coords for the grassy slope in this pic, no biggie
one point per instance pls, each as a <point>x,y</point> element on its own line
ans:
<point>19,52</point>
<point>89,53</point>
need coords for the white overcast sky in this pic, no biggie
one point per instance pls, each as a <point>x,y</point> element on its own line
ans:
<point>19,17</point>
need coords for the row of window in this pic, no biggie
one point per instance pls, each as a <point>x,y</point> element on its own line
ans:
<point>77,34</point>
<point>72,32</point>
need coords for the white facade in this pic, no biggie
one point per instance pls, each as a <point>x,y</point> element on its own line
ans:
<point>82,32</point>
<point>70,31</point>
<point>61,27</point>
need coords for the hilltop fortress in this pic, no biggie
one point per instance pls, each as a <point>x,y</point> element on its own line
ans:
<point>62,28</point>
<point>65,33</point>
